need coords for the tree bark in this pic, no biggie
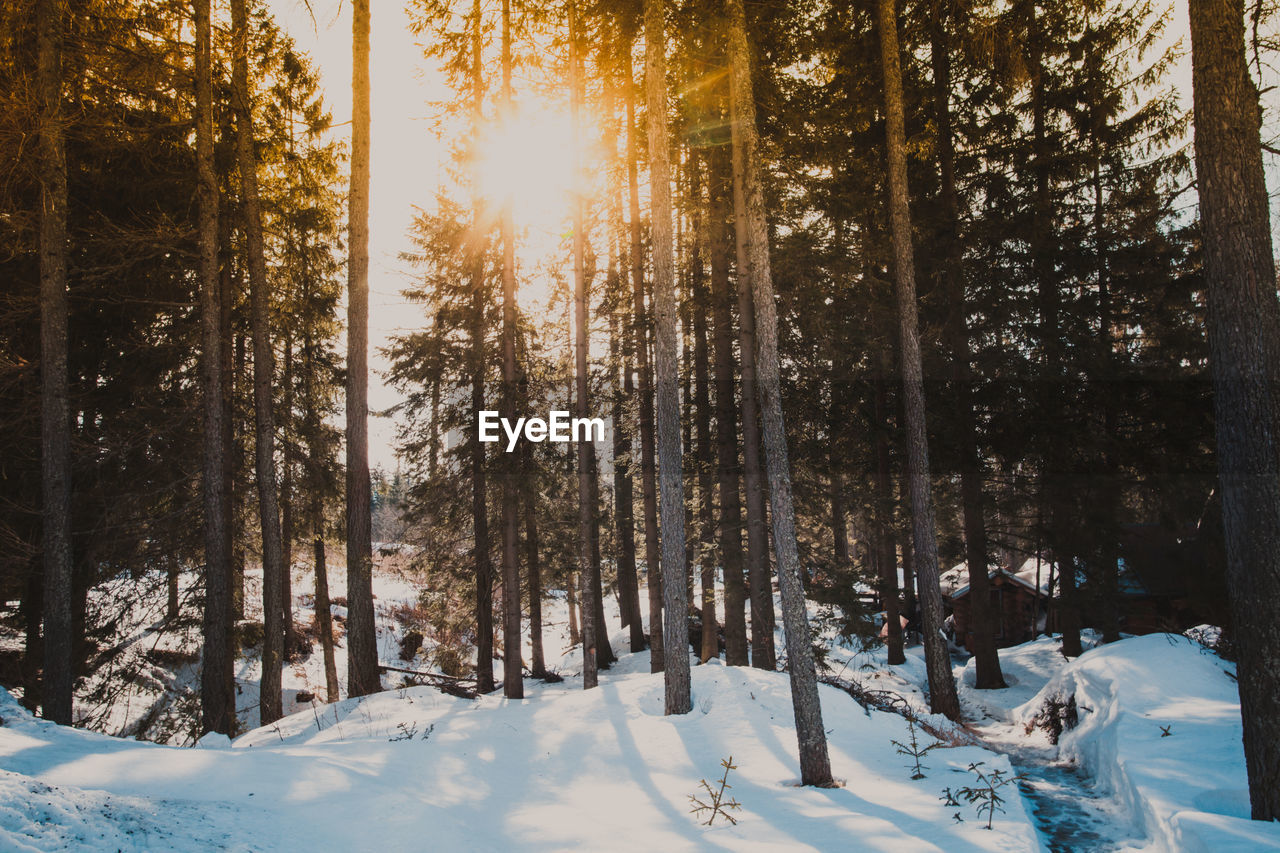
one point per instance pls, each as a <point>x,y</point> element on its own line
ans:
<point>33,643</point>
<point>537,661</point>
<point>986,658</point>
<point>571,597</point>
<point>605,657</point>
<point>1055,512</point>
<point>623,491</point>
<point>839,512</point>
<point>324,619</point>
<point>173,602</point>
<point>586,506</point>
<point>287,528</point>
<point>1244,339</point>
<point>1107,552</point>
<point>513,666</point>
<point>363,677</point>
<point>217,685</point>
<point>815,763</point>
<point>640,344</point>
<point>233,362</point>
<point>270,702</point>
<point>942,687</point>
<point>837,413</point>
<point>55,414</point>
<point>666,369</point>
<point>704,455</point>
<point>479,480</point>
<point>763,653</point>
<point>727,468</point>
<point>620,355</point>
<point>323,613</point>
<point>887,548</point>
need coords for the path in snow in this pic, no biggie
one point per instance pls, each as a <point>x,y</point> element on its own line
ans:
<point>1068,810</point>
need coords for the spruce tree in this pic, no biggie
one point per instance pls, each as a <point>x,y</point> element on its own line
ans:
<point>1244,337</point>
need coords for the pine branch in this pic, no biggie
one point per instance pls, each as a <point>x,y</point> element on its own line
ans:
<point>718,805</point>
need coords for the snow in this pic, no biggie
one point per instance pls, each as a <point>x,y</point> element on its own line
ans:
<point>1184,791</point>
<point>563,768</point>
<point>1034,574</point>
<point>567,768</point>
<point>1026,668</point>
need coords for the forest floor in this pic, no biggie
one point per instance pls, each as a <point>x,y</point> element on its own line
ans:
<point>414,769</point>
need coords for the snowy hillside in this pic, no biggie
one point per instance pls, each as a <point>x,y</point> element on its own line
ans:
<point>563,769</point>
<point>413,768</point>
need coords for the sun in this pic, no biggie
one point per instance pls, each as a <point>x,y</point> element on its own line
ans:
<point>528,161</point>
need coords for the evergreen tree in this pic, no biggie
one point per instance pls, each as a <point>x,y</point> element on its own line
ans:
<point>362,654</point>
<point>1244,332</point>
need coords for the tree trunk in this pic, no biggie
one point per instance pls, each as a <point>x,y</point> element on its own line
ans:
<point>1244,338</point>
<point>666,369</point>
<point>735,623</point>
<point>624,495</point>
<point>640,345</point>
<point>586,507</point>
<point>986,658</point>
<point>225,329</point>
<point>571,597</point>
<point>479,481</point>
<point>513,666</point>
<point>815,764</point>
<point>887,550</point>
<point>910,605</point>
<point>263,370</point>
<point>839,516</point>
<point>233,366</point>
<point>763,654</point>
<point>55,415</point>
<point>217,686</point>
<point>480,518</point>
<point>1055,512</point>
<point>479,505</point>
<point>287,534</point>
<point>605,657</point>
<point>1107,554</point>
<point>33,643</point>
<point>173,603</point>
<point>288,531</point>
<point>704,455</point>
<point>835,465</point>
<point>537,660</point>
<point>323,613</point>
<point>362,638</point>
<point>942,687</point>
<point>324,619</point>
<point>620,355</point>
<point>689,450</point>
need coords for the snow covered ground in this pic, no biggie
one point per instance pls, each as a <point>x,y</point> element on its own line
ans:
<point>1155,753</point>
<point>562,769</point>
<point>414,769</point>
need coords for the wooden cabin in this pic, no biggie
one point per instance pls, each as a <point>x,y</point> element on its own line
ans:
<point>1018,604</point>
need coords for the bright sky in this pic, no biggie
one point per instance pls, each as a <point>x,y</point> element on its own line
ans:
<point>405,157</point>
<point>409,163</point>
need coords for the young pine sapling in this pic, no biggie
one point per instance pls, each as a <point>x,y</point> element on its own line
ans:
<point>915,750</point>
<point>718,805</point>
<point>985,796</point>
